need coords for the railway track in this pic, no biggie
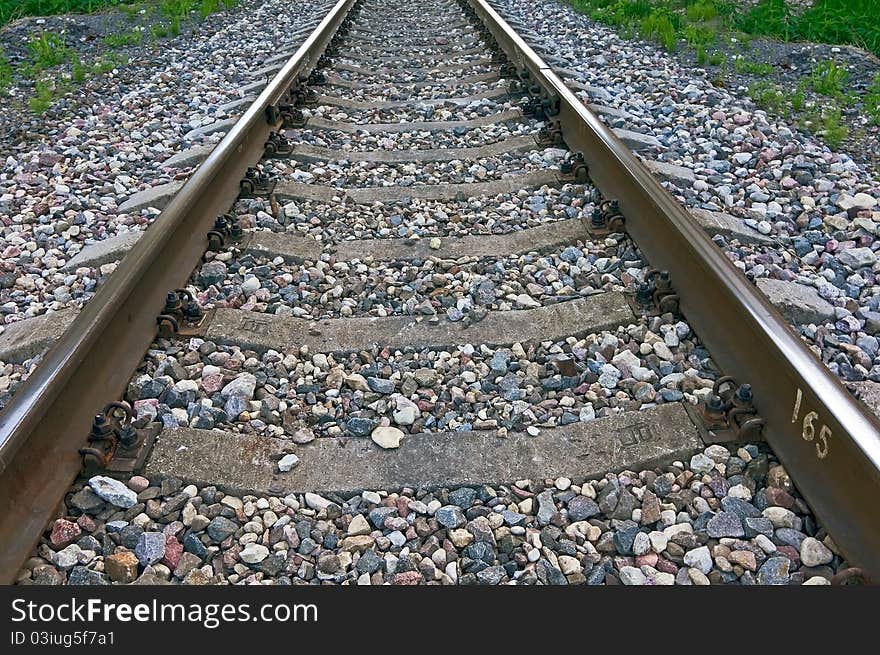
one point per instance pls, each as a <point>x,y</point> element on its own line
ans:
<point>418,264</point>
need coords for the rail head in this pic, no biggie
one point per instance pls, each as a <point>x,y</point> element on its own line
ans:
<point>829,442</point>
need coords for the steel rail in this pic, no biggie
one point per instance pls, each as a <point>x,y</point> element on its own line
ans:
<point>829,442</point>
<point>49,417</point>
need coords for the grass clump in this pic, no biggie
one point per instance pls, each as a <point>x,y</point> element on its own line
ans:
<point>828,79</point>
<point>872,101</point>
<point>132,38</point>
<point>826,122</point>
<point>701,11</point>
<point>79,71</point>
<point>743,65</point>
<point>660,25</point>
<point>769,96</point>
<point>48,50</point>
<point>176,12</point>
<point>850,22</point>
<point>799,97</point>
<point>768,18</point>
<point>44,95</point>
<point>5,72</point>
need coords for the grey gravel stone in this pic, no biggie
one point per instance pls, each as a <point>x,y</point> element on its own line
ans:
<point>150,548</point>
<point>450,516</point>
<point>775,571</point>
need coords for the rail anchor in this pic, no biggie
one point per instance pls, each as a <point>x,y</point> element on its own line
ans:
<point>301,94</point>
<point>550,136</point>
<point>277,145</point>
<point>576,169</point>
<point>115,445</point>
<point>656,293</point>
<point>728,413</point>
<point>225,227</point>
<point>607,217</point>
<point>256,184</point>
<point>181,316</point>
<point>291,117</point>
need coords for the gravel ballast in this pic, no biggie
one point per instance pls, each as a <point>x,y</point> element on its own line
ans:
<point>726,516</point>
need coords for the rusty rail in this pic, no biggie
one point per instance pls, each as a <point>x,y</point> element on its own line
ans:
<point>49,417</point>
<point>828,441</point>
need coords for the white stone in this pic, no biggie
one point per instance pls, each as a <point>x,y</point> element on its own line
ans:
<point>817,580</point>
<point>659,541</point>
<point>387,437</point>
<point>781,517</point>
<point>358,526</point>
<point>626,361</point>
<point>569,565</point>
<point>814,553</point>
<point>254,553</point>
<point>699,558</point>
<point>250,284</point>
<point>630,575</point>
<point>641,544</point>
<point>524,300</point>
<point>372,497</point>
<point>406,411</point>
<point>68,557</point>
<point>452,571</point>
<point>317,502</point>
<point>113,491</point>
<point>763,542</point>
<point>287,462</point>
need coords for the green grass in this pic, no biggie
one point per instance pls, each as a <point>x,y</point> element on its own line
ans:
<point>79,70</point>
<point>48,50</point>
<point>699,36</point>
<point>159,31</point>
<point>704,10</point>
<point>660,25</point>
<point>714,28</point>
<point>828,79</point>
<point>768,18</point>
<point>840,22</point>
<point>107,63</point>
<point>850,22</point>
<point>769,96</point>
<point>742,65</point>
<point>44,95</point>
<point>799,98</point>
<point>208,7</point>
<point>872,101</point>
<point>132,38</point>
<point>5,72</point>
<point>717,59</point>
<point>826,123</point>
<point>174,11</point>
